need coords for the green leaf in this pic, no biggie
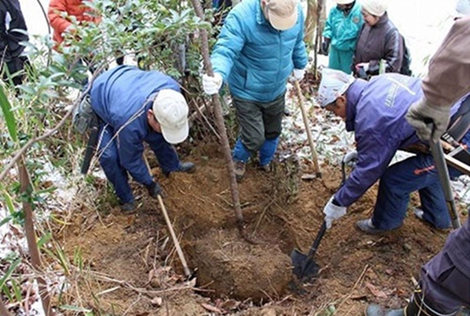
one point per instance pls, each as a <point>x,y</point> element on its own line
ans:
<point>8,114</point>
<point>9,272</point>
<point>44,239</point>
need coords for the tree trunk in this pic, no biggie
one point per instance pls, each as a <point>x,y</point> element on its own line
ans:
<point>3,310</point>
<point>311,22</point>
<point>26,188</point>
<point>221,128</point>
<point>320,15</point>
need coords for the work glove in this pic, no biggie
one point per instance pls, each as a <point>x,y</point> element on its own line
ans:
<point>429,120</point>
<point>333,212</point>
<point>155,190</point>
<point>361,70</point>
<point>350,158</point>
<point>211,84</point>
<point>325,45</point>
<point>297,75</point>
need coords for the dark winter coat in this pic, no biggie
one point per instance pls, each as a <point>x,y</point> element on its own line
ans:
<point>118,97</point>
<point>11,20</point>
<point>381,41</point>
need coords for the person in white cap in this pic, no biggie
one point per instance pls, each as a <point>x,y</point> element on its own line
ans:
<point>340,34</point>
<point>375,110</point>
<point>379,39</point>
<point>137,106</point>
<point>259,47</point>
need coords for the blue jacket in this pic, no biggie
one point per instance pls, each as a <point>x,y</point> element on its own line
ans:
<point>118,97</point>
<point>344,30</point>
<point>376,113</point>
<point>253,57</point>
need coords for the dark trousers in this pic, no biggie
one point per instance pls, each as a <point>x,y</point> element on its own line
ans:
<point>260,126</point>
<point>117,174</point>
<point>399,180</point>
<point>16,68</point>
<point>445,279</point>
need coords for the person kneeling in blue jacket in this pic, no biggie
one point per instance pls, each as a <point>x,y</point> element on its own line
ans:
<point>137,106</point>
<point>375,111</point>
<point>260,45</point>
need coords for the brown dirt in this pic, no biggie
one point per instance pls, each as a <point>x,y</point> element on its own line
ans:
<point>145,277</point>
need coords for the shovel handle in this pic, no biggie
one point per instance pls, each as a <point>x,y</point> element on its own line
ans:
<point>317,240</point>
<point>439,161</point>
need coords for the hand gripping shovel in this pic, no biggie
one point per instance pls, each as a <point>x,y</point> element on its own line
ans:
<point>305,267</point>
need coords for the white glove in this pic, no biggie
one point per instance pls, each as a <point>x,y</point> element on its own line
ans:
<point>430,121</point>
<point>333,212</point>
<point>211,85</point>
<point>299,74</point>
<point>350,158</point>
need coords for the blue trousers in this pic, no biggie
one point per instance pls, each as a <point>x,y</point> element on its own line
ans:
<point>413,174</point>
<point>117,174</point>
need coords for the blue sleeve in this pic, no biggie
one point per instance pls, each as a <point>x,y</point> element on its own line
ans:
<point>131,149</point>
<point>229,44</point>
<point>374,155</point>
<point>299,56</point>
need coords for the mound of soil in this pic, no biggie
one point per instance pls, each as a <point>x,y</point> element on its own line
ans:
<point>144,275</point>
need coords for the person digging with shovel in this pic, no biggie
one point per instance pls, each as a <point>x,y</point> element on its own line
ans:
<point>375,111</point>
<point>445,279</point>
<point>137,106</point>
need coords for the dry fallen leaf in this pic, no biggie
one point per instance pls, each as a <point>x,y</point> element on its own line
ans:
<point>230,305</point>
<point>377,293</point>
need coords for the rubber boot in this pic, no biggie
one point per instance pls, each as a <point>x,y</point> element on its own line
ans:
<point>186,167</point>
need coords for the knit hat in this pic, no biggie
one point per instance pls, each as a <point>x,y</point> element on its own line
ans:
<point>282,14</point>
<point>333,84</point>
<point>462,8</point>
<point>171,111</point>
<point>375,7</point>
<point>344,1</point>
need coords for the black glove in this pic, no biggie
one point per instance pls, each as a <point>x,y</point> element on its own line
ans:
<point>154,190</point>
<point>325,45</point>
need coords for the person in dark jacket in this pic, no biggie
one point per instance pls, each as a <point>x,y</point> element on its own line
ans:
<point>260,46</point>
<point>375,111</point>
<point>378,40</point>
<point>138,106</point>
<point>12,20</point>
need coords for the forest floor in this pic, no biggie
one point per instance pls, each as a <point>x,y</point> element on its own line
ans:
<point>132,267</point>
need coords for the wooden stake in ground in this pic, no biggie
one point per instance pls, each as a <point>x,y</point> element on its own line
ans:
<point>316,166</point>
<point>221,128</point>
<point>187,273</point>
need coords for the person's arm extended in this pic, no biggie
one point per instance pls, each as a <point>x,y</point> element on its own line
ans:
<point>56,9</point>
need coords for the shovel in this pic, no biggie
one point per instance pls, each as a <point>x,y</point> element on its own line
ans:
<point>305,267</point>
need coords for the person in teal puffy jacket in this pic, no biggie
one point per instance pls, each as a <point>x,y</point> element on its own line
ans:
<point>260,45</point>
<point>340,34</point>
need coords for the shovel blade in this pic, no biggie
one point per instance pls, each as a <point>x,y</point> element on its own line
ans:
<point>304,267</point>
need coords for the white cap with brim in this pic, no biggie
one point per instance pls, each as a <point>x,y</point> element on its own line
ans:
<point>282,14</point>
<point>344,1</point>
<point>333,84</point>
<point>375,7</point>
<point>171,111</point>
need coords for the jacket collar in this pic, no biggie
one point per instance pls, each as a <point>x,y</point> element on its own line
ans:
<point>353,95</point>
<point>260,18</point>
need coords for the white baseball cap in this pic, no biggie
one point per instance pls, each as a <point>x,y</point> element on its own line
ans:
<point>375,7</point>
<point>171,111</point>
<point>333,84</point>
<point>344,1</point>
<point>282,14</point>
